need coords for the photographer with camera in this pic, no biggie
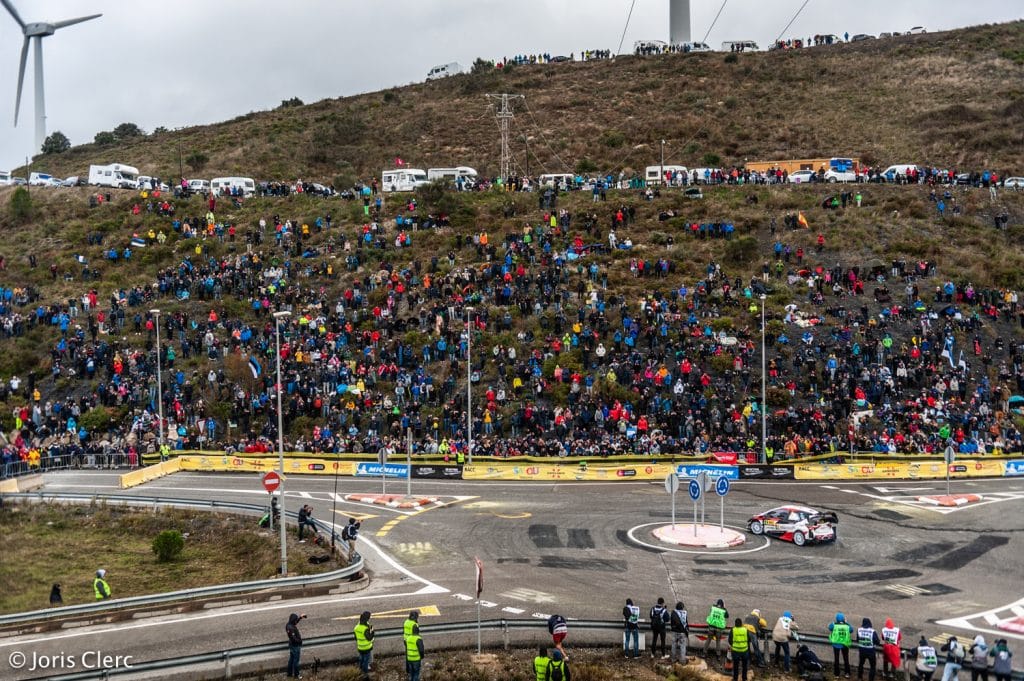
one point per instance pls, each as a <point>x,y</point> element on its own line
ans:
<point>294,644</point>
<point>351,534</point>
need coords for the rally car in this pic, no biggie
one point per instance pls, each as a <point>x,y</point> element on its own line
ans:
<point>798,524</point>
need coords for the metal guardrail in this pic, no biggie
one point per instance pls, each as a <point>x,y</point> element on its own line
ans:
<point>172,596</point>
<point>237,655</point>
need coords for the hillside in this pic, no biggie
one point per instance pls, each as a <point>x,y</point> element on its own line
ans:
<point>951,99</point>
<point>578,346</point>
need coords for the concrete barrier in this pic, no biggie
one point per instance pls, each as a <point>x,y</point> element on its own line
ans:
<point>22,483</point>
<point>157,470</point>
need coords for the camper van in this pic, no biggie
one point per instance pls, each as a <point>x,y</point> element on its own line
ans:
<point>561,180</point>
<point>115,175</point>
<point>653,174</point>
<point>222,186</point>
<point>402,180</point>
<point>740,46</point>
<point>444,70</point>
<point>453,174</point>
<point>5,178</point>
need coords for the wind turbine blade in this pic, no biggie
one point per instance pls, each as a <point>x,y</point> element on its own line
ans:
<point>21,77</point>
<point>72,22</point>
<point>14,12</point>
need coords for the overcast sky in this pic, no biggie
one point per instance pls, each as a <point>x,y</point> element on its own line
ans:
<point>194,61</point>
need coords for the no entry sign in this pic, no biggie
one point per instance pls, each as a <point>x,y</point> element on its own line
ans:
<point>271,481</point>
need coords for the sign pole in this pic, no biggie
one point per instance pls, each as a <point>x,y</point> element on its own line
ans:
<point>384,470</point>
<point>408,462</point>
<point>696,492</point>
<point>950,458</point>
<point>673,510</point>
<point>721,514</point>
<point>721,489</point>
<point>479,590</point>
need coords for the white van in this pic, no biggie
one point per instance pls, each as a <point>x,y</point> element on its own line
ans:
<point>653,174</point>
<point>740,46</point>
<point>892,171</point>
<point>694,47</point>
<point>453,174</point>
<point>43,180</point>
<point>444,70</point>
<point>199,186</point>
<point>402,180</point>
<point>222,186</point>
<point>115,175</point>
<point>5,178</point>
<point>562,180</point>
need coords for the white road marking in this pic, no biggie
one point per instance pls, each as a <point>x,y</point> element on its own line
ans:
<point>540,615</point>
<point>513,611</point>
<point>487,604</point>
<point>907,589</point>
<point>463,597</point>
<point>532,595</point>
<point>718,552</point>
<point>991,618</point>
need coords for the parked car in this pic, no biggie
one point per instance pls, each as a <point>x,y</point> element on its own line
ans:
<point>74,181</point>
<point>916,30</point>
<point>803,177</point>
<point>19,181</point>
<point>1016,182</point>
<point>560,58</point>
<point>798,524</point>
<point>861,36</point>
<point>832,175</point>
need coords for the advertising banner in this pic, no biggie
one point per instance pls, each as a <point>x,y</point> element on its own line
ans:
<point>444,472</point>
<point>373,469</point>
<point>766,472</point>
<point>1014,468</point>
<point>544,472</point>
<point>237,464</point>
<point>713,471</point>
<point>903,470</point>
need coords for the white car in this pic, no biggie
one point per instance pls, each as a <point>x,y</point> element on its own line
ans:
<point>1016,182</point>
<point>833,175</point>
<point>916,30</point>
<point>802,177</point>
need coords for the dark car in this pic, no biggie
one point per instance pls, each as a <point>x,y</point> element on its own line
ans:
<point>560,58</point>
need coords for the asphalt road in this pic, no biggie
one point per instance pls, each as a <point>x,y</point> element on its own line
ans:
<point>582,549</point>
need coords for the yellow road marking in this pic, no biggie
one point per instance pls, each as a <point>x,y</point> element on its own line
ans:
<point>360,517</point>
<point>425,611</point>
<point>388,526</point>
<point>513,516</point>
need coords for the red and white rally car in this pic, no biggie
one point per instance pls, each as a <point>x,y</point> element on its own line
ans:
<point>798,524</point>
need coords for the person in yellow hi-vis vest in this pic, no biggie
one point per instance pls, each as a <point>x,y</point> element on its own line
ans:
<point>717,618</point>
<point>100,586</point>
<point>364,643</point>
<point>739,646</point>
<point>413,655</point>
<point>540,664</point>
<point>840,635</point>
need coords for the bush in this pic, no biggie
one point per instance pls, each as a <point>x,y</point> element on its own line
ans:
<point>613,139</point>
<point>741,251</point>
<point>711,160</point>
<point>731,58</point>
<point>21,205</point>
<point>585,165</point>
<point>168,545</point>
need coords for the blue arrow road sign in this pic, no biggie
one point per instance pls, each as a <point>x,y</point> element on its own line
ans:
<point>722,486</point>
<point>694,490</point>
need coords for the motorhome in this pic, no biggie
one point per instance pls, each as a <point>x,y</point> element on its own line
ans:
<point>115,175</point>
<point>740,46</point>
<point>653,174</point>
<point>444,70</point>
<point>223,186</point>
<point>43,180</point>
<point>5,178</point>
<point>563,180</point>
<point>453,174</point>
<point>402,180</point>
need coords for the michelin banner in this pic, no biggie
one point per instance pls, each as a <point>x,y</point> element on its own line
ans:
<point>374,470</point>
<point>1014,468</point>
<point>713,471</point>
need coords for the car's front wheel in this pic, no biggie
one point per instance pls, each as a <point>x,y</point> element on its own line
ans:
<point>799,538</point>
<point>757,527</point>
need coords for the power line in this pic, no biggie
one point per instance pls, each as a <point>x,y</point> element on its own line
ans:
<point>791,21</point>
<point>628,17</point>
<point>715,21</point>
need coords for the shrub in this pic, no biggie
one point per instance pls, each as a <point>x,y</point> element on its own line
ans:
<point>21,205</point>
<point>168,545</point>
<point>712,160</point>
<point>741,251</point>
<point>613,139</point>
<point>731,58</point>
<point>585,165</point>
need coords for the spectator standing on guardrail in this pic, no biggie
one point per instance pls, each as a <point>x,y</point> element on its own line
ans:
<point>100,586</point>
<point>364,643</point>
<point>414,655</point>
<point>979,659</point>
<point>891,639</point>
<point>559,629</point>
<point>785,628</point>
<point>739,647</point>
<point>955,654</point>
<point>659,623</point>
<point>294,644</point>
<point>350,534</point>
<point>1002,667</point>
<point>867,640</point>
<point>680,625</point>
<point>927,660</point>
<point>716,620</point>
<point>631,627</point>
<point>839,635</point>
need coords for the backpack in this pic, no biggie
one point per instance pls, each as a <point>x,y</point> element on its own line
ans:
<point>556,673</point>
<point>345,534</point>
<point>957,651</point>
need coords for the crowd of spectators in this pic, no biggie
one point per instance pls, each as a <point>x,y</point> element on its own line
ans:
<point>562,363</point>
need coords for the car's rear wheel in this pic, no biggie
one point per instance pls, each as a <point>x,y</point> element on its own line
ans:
<point>799,538</point>
<point>757,527</point>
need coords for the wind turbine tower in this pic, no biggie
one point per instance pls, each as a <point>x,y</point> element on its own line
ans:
<point>678,21</point>
<point>36,32</point>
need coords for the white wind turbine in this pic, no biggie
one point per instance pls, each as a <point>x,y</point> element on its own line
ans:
<point>38,31</point>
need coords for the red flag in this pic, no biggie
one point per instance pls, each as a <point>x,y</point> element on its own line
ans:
<point>802,220</point>
<point>399,161</point>
<point>479,577</point>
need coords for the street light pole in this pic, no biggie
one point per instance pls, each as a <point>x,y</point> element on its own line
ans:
<point>159,386</point>
<point>278,316</point>
<point>764,405</point>
<point>663,163</point>
<point>469,386</point>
